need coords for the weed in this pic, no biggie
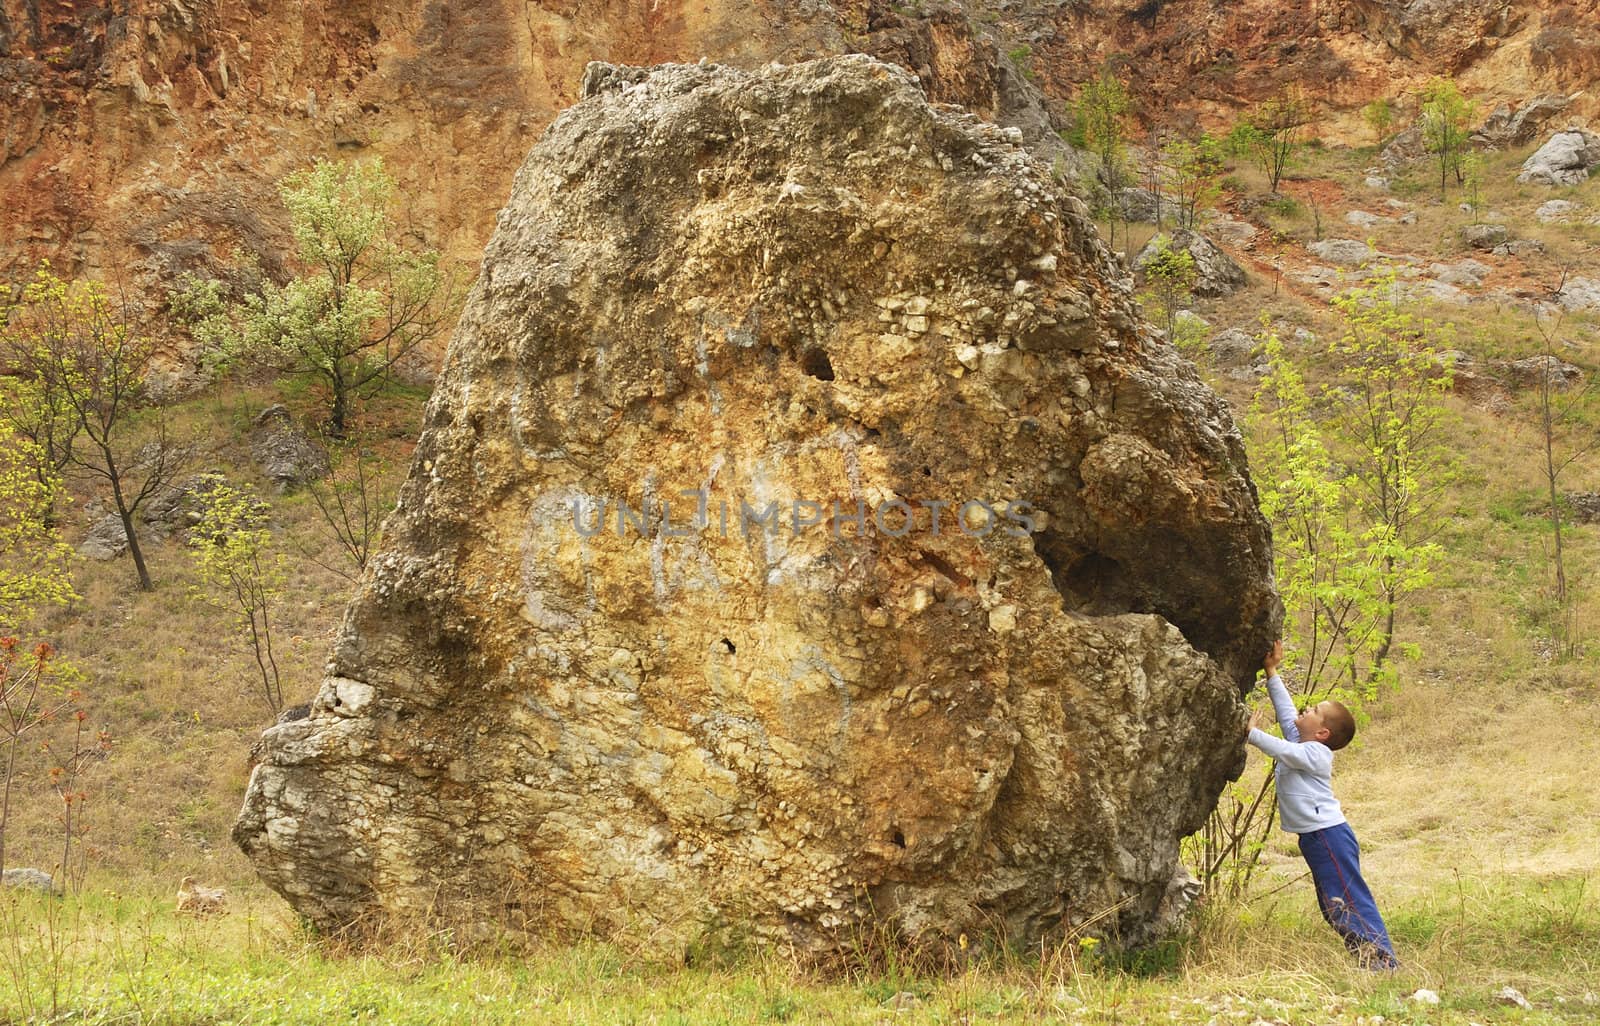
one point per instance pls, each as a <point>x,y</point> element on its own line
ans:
<point>1022,58</point>
<point>1282,205</point>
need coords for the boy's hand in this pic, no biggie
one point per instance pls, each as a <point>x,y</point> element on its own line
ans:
<point>1270,661</point>
<point>1256,718</point>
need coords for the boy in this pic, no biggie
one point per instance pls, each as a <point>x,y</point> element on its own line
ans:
<point>1306,805</point>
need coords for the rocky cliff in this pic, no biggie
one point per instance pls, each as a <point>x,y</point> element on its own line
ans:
<point>142,138</point>
<point>804,532</point>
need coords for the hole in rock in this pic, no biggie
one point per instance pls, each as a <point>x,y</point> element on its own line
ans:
<point>1088,582</point>
<point>899,839</point>
<point>815,363</point>
<point>728,646</point>
<point>1095,584</point>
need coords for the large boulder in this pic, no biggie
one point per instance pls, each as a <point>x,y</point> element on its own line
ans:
<point>1233,347</point>
<point>673,631</point>
<point>177,509</point>
<point>1557,211</point>
<point>1405,147</point>
<point>1564,160</point>
<point>1579,294</point>
<point>1485,236</point>
<point>1583,507</point>
<point>1468,273</point>
<point>1140,205</point>
<point>30,880</point>
<point>105,539</point>
<point>1535,371</point>
<point>1344,252</point>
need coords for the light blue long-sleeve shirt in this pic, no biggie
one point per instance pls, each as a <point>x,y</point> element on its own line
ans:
<point>1304,771</point>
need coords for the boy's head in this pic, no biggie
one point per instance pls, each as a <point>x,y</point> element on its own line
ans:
<point>1329,722</point>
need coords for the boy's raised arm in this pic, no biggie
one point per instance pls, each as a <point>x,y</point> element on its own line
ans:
<point>1282,704</point>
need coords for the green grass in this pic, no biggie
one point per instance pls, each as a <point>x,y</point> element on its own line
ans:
<point>108,958</point>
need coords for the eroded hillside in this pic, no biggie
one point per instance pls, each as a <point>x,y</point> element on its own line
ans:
<point>144,138</point>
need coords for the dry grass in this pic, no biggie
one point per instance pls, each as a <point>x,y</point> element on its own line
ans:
<point>173,680</point>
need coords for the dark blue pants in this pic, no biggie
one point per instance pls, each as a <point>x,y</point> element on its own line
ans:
<point>1346,903</point>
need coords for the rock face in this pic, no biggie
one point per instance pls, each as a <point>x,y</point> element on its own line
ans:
<point>804,294</point>
<point>1446,33</point>
<point>144,139</point>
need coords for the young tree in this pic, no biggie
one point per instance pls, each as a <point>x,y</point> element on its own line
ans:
<point>37,418</point>
<point>1169,280</point>
<point>1270,133</point>
<point>1379,116</point>
<point>1101,117</point>
<point>1568,431</point>
<point>1472,182</point>
<point>1390,423</point>
<point>1325,570</point>
<point>83,362</point>
<point>1446,116</point>
<point>33,560</point>
<point>1154,173</point>
<point>362,300</point>
<point>231,546</point>
<point>1345,479</point>
<point>29,700</point>
<point>1318,574</point>
<point>33,573</point>
<point>66,779</point>
<point>1188,177</point>
<point>353,502</point>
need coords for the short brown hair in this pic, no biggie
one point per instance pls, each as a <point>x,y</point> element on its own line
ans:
<point>1341,725</point>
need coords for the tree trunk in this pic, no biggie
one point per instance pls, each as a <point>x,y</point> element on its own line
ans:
<point>1551,475</point>
<point>341,403</point>
<point>1382,655</point>
<point>5,800</point>
<point>1389,599</point>
<point>261,666</point>
<point>128,531</point>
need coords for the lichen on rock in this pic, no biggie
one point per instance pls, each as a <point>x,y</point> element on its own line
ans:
<point>690,613</point>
